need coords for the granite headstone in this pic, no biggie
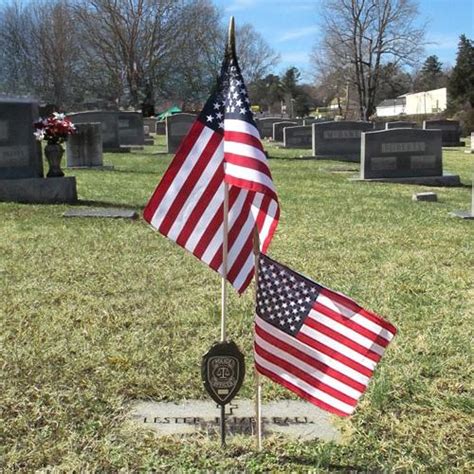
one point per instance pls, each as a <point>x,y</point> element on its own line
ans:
<point>450,131</point>
<point>298,137</point>
<point>20,153</point>
<point>84,148</point>
<point>130,128</point>
<point>177,127</point>
<point>339,140</point>
<point>265,126</point>
<point>278,129</point>
<point>402,153</point>
<point>400,124</point>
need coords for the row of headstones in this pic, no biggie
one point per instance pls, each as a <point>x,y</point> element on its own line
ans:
<point>298,133</point>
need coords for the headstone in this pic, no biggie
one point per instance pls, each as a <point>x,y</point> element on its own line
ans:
<point>130,127</point>
<point>278,130</point>
<point>20,153</point>
<point>109,123</point>
<point>150,123</point>
<point>428,196</point>
<point>146,130</point>
<point>84,148</point>
<point>400,124</point>
<point>160,128</point>
<point>298,137</point>
<point>295,419</point>
<point>380,125</point>
<point>404,155</point>
<point>177,127</point>
<point>450,131</point>
<point>104,212</point>
<point>265,126</point>
<point>338,140</point>
<point>469,215</point>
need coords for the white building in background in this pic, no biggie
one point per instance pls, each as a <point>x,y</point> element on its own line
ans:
<point>428,102</point>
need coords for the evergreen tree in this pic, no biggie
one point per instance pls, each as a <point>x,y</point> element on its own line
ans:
<point>431,75</point>
<point>461,82</point>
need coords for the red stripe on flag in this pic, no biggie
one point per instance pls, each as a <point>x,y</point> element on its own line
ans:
<point>334,354</point>
<point>354,307</point>
<point>317,364</point>
<point>179,159</point>
<point>250,185</point>
<point>244,138</point>
<point>337,336</point>
<point>190,182</point>
<point>299,391</point>
<point>345,321</point>
<point>247,162</point>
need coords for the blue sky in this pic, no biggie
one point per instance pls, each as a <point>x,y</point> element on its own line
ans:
<point>291,26</point>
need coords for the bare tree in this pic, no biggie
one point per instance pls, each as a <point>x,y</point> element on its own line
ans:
<point>363,35</point>
<point>256,57</point>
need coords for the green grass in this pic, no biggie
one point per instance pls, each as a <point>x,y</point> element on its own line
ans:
<point>96,313</point>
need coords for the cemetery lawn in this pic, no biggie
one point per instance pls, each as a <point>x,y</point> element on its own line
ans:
<point>97,313</point>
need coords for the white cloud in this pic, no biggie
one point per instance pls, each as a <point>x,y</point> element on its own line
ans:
<point>298,33</point>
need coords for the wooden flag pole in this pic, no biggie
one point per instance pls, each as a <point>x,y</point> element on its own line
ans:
<point>230,50</point>
<point>258,382</point>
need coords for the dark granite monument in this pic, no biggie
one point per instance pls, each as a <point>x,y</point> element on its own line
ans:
<point>21,164</point>
<point>404,155</point>
<point>160,128</point>
<point>400,124</point>
<point>177,127</point>
<point>278,129</point>
<point>450,131</point>
<point>265,126</point>
<point>298,137</point>
<point>20,153</point>
<point>84,148</point>
<point>339,140</point>
<point>110,126</point>
<point>130,128</point>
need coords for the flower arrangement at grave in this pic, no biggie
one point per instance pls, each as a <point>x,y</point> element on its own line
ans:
<point>54,130</point>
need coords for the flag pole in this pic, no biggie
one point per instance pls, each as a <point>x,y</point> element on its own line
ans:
<point>258,382</point>
<point>230,52</point>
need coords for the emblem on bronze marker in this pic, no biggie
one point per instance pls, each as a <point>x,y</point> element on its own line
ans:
<point>223,370</point>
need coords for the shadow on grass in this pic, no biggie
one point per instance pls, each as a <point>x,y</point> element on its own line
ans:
<point>84,202</point>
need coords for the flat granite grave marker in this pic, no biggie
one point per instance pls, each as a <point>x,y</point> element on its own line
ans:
<point>400,124</point>
<point>278,130</point>
<point>404,155</point>
<point>298,137</point>
<point>84,147</point>
<point>104,212</point>
<point>21,164</point>
<point>177,127</point>
<point>450,131</point>
<point>296,419</point>
<point>339,140</point>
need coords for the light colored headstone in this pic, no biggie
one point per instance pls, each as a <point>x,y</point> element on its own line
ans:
<point>296,419</point>
<point>84,148</point>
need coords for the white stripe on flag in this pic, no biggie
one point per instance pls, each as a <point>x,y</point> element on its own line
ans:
<point>248,174</point>
<point>241,126</point>
<point>242,149</point>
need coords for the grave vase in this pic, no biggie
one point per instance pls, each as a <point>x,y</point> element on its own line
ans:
<point>54,153</point>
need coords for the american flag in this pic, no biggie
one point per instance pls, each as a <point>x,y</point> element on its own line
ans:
<point>317,343</point>
<point>223,145</point>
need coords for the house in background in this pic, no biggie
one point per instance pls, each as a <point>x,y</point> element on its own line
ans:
<point>418,103</point>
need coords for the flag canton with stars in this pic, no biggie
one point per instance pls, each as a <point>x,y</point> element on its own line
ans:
<point>284,298</point>
<point>230,100</point>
